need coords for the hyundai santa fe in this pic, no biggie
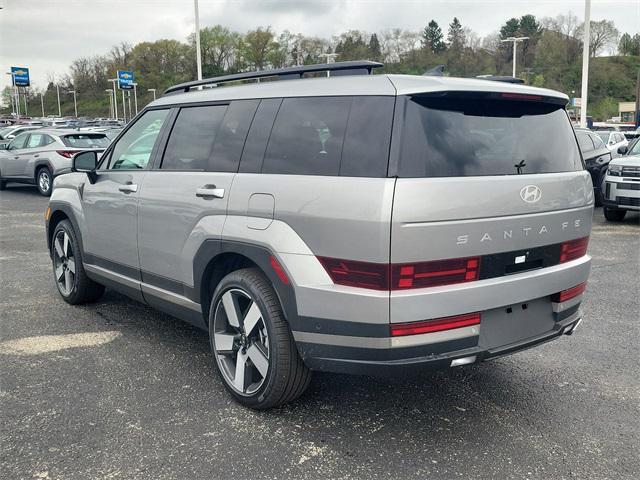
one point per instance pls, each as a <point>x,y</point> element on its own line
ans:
<point>357,223</point>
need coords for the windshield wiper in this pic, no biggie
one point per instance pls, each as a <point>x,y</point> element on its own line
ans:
<point>520,166</point>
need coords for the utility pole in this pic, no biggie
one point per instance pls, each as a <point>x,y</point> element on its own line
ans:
<point>110,93</point>
<point>115,97</point>
<point>58,93</point>
<point>515,41</point>
<point>75,104</point>
<point>135,97</point>
<point>26,110</point>
<point>638,100</point>
<point>585,63</point>
<point>198,53</point>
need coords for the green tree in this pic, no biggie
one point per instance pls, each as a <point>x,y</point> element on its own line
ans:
<point>351,46</point>
<point>375,52</point>
<point>433,38</point>
<point>258,46</point>
<point>510,28</point>
<point>455,36</point>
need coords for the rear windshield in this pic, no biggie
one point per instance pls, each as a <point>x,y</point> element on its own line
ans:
<point>457,137</point>
<point>86,140</point>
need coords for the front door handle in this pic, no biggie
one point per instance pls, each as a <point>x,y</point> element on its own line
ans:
<point>37,155</point>
<point>128,188</point>
<point>210,191</point>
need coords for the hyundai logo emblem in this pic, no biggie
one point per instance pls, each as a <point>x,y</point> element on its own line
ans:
<point>530,193</point>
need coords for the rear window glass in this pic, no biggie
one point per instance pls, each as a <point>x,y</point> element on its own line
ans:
<point>586,145</point>
<point>86,140</point>
<point>457,137</point>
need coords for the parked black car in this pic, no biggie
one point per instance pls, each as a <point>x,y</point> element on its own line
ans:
<point>596,156</point>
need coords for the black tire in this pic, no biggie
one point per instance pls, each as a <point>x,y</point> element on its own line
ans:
<point>287,376</point>
<point>614,214</point>
<point>598,198</point>
<point>44,181</point>
<point>82,289</point>
<point>3,183</point>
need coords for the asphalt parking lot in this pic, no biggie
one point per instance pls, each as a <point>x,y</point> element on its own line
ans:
<point>137,396</point>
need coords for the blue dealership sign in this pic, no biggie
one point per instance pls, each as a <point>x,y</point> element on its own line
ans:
<point>125,80</point>
<point>20,76</point>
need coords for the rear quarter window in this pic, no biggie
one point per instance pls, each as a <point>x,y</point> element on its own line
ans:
<point>86,140</point>
<point>457,137</point>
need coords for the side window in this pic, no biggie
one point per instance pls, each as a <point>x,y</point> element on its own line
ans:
<point>366,145</point>
<point>307,136</point>
<point>597,141</point>
<point>35,140</point>
<point>584,141</point>
<point>47,140</point>
<point>232,135</point>
<point>19,142</point>
<point>134,148</point>
<point>256,144</point>
<point>191,141</point>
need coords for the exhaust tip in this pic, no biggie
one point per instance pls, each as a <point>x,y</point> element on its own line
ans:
<point>463,361</point>
<point>572,328</point>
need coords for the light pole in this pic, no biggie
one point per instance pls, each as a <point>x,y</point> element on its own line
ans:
<point>58,93</point>
<point>515,41</point>
<point>75,104</point>
<point>198,54</point>
<point>16,94</point>
<point>153,90</point>
<point>115,97</point>
<point>110,93</point>
<point>24,95</point>
<point>585,63</point>
<point>124,109</point>
<point>42,103</point>
<point>135,97</point>
<point>331,58</point>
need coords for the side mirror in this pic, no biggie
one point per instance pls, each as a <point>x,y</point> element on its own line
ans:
<point>85,162</point>
<point>623,149</point>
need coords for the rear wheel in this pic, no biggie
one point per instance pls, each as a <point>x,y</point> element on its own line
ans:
<point>255,352</point>
<point>44,181</point>
<point>72,282</point>
<point>614,214</point>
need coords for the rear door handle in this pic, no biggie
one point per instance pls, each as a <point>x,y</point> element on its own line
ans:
<point>128,188</point>
<point>210,191</point>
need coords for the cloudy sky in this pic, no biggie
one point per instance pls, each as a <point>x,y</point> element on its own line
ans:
<point>46,35</point>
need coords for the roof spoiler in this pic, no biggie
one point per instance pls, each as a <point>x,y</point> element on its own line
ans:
<point>501,78</point>
<point>358,67</point>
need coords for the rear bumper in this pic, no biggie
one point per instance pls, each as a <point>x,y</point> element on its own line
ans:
<point>413,360</point>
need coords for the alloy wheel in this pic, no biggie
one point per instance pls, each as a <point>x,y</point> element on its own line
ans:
<point>64,262</point>
<point>241,341</point>
<point>44,181</point>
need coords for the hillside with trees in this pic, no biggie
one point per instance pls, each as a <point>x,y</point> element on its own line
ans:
<point>550,58</point>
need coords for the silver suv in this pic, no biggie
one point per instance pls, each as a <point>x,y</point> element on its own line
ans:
<point>370,224</point>
<point>38,156</point>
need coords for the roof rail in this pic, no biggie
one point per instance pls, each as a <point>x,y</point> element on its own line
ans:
<point>501,78</point>
<point>355,67</point>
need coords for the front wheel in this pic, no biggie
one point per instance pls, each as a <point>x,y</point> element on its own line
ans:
<point>72,281</point>
<point>614,214</point>
<point>44,181</point>
<point>255,353</point>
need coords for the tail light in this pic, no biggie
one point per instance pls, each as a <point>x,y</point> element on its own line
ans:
<point>570,293</point>
<point>435,325</point>
<point>431,274</point>
<point>573,249</point>
<point>357,274</point>
<point>66,153</point>
<point>521,96</point>
<point>381,276</point>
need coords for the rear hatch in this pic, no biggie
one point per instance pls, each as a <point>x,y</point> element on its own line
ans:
<point>493,176</point>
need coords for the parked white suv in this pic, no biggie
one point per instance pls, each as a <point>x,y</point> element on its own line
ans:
<point>613,140</point>
<point>621,188</point>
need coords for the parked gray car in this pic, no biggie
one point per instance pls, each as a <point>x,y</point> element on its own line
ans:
<point>376,224</point>
<point>36,157</point>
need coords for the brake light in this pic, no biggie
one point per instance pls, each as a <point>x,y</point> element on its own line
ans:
<point>570,293</point>
<point>435,325</point>
<point>357,274</point>
<point>66,153</point>
<point>521,96</point>
<point>573,249</point>
<point>431,274</point>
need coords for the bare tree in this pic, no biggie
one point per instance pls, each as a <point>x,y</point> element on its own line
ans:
<point>602,35</point>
